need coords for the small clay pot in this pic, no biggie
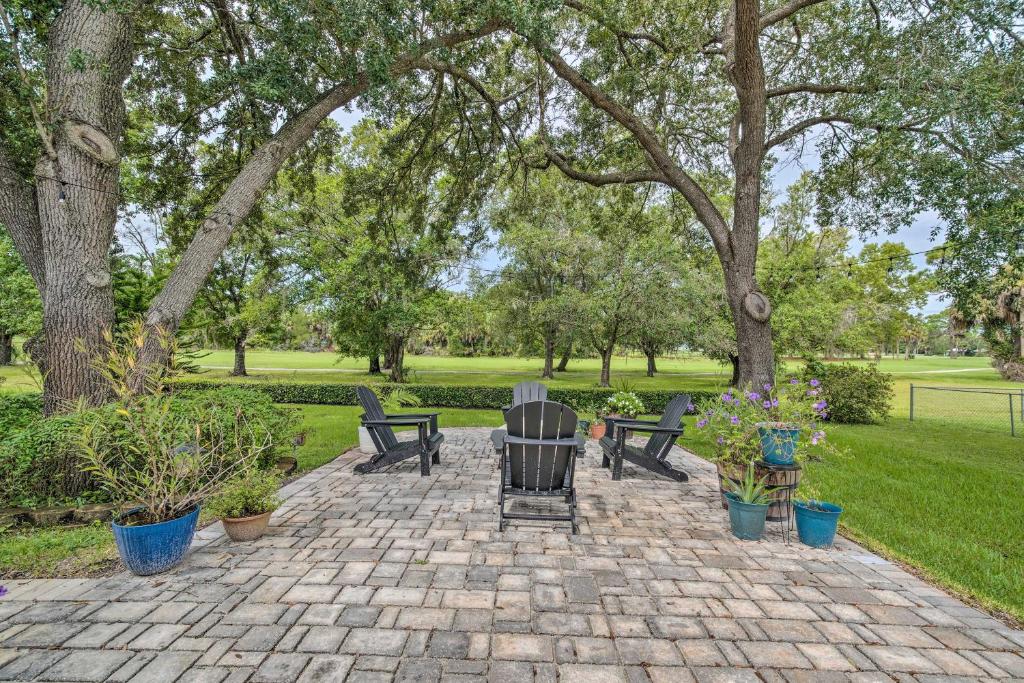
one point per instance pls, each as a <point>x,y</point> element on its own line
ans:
<point>597,430</point>
<point>246,528</point>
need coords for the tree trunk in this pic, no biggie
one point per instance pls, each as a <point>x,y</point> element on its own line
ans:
<point>6,348</point>
<point>389,358</point>
<point>735,361</point>
<point>652,367</point>
<point>239,369</point>
<point>753,337</point>
<point>606,366</point>
<point>375,364</point>
<point>397,353</point>
<point>549,358</point>
<point>563,363</point>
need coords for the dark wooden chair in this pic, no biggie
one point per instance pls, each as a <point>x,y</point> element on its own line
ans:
<point>654,455</point>
<point>389,449</point>
<point>524,392</point>
<point>538,459</point>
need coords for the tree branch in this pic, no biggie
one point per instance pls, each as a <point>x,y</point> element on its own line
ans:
<point>818,89</point>
<point>19,213</point>
<point>777,15</point>
<point>801,126</point>
<point>627,35</point>
<point>44,135</point>
<point>238,200</point>
<point>676,177</point>
<point>599,179</point>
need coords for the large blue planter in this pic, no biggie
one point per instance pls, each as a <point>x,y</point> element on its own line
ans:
<point>778,443</point>
<point>746,519</point>
<point>154,548</point>
<point>816,527</point>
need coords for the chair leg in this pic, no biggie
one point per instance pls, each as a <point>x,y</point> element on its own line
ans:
<point>617,468</point>
<point>437,457</point>
<point>604,459</point>
<point>572,512</point>
<point>424,464</point>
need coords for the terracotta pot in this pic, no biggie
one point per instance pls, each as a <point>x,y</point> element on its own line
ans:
<point>246,528</point>
<point>597,430</point>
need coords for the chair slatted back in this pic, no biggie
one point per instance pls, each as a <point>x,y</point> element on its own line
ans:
<point>537,467</point>
<point>383,436</point>
<point>529,391</point>
<point>660,444</point>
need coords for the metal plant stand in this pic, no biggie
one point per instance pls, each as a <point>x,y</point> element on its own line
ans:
<point>784,479</point>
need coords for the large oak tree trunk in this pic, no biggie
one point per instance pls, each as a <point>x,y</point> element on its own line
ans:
<point>239,369</point>
<point>753,337</point>
<point>77,210</point>
<point>374,364</point>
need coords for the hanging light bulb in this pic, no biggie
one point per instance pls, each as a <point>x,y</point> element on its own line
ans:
<point>61,196</point>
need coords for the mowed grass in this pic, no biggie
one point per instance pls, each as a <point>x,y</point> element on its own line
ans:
<point>59,552</point>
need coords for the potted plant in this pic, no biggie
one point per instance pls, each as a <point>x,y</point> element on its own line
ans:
<point>157,462</point>
<point>748,506</point>
<point>246,502</point>
<point>738,420</point>
<point>817,522</point>
<point>597,427</point>
<point>624,405</point>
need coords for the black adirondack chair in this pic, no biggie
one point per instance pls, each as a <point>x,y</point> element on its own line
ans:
<point>524,392</point>
<point>654,455</point>
<point>538,459</point>
<point>389,449</point>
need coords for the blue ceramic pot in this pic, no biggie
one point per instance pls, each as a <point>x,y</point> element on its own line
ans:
<point>746,519</point>
<point>778,443</point>
<point>816,522</point>
<point>154,548</point>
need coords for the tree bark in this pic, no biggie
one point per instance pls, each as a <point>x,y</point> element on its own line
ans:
<point>77,195</point>
<point>374,364</point>
<point>389,359</point>
<point>606,366</point>
<point>652,366</point>
<point>549,358</point>
<point>6,348</point>
<point>563,363</point>
<point>734,360</point>
<point>239,369</point>
<point>397,353</point>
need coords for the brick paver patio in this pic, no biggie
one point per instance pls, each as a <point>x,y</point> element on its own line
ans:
<point>395,577</point>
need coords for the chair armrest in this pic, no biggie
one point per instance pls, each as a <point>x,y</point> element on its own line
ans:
<point>399,415</point>
<point>576,441</point>
<point>396,422</point>
<point>643,426</point>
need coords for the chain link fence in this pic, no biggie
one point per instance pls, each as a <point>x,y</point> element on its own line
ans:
<point>997,410</point>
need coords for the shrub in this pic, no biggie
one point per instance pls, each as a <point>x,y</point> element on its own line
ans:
<point>41,465</point>
<point>42,462</point>
<point>440,395</point>
<point>19,410</point>
<point>625,403</point>
<point>856,394</point>
<point>251,493</point>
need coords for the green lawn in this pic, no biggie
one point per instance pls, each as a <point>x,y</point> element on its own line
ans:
<point>59,552</point>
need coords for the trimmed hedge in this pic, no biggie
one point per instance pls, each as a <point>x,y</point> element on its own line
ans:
<point>440,395</point>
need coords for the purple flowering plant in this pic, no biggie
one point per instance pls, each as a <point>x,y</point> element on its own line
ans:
<point>734,416</point>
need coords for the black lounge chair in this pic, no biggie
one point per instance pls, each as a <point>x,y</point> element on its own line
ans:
<point>525,392</point>
<point>389,449</point>
<point>654,455</point>
<point>538,459</point>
